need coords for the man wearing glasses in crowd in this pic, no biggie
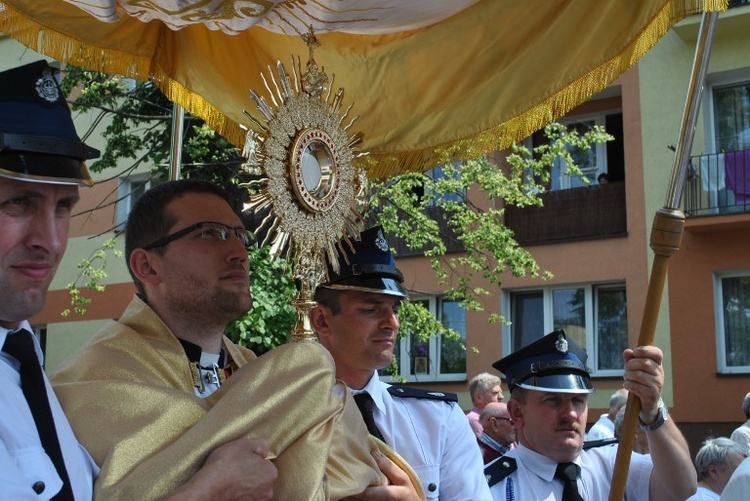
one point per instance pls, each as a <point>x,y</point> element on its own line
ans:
<point>499,433</point>
<point>152,394</point>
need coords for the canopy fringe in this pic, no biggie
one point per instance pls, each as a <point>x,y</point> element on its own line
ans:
<point>503,135</point>
<point>378,164</point>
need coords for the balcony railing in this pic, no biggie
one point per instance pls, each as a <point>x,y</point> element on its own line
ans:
<point>718,183</point>
<point>596,211</point>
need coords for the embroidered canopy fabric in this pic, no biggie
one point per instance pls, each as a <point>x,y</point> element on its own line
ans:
<point>427,78</point>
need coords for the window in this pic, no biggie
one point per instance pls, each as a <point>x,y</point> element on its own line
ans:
<point>731,117</point>
<point>594,315</point>
<point>129,191</point>
<point>608,157</point>
<point>592,162</point>
<point>436,174</point>
<point>437,359</point>
<point>732,293</point>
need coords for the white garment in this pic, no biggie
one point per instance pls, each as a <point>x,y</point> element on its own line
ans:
<point>434,437</point>
<point>738,487</point>
<point>534,477</point>
<point>704,494</point>
<point>742,436</point>
<point>713,172</point>
<point>23,461</point>
<point>603,428</point>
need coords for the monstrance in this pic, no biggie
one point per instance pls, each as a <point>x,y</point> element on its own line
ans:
<point>303,153</point>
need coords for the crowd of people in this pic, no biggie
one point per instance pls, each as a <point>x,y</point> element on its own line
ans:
<point>161,405</point>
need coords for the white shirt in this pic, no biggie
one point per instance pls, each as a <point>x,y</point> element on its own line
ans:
<point>434,437</point>
<point>742,436</point>
<point>603,428</point>
<point>534,478</point>
<point>704,494</point>
<point>739,483</point>
<point>23,461</point>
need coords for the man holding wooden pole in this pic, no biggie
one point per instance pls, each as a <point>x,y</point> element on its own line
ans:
<point>549,385</point>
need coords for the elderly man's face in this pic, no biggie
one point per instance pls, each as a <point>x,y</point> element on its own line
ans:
<point>552,424</point>
<point>34,224</point>
<point>499,426</point>
<point>492,394</point>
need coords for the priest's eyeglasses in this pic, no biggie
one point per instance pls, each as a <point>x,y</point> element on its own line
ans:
<point>209,230</point>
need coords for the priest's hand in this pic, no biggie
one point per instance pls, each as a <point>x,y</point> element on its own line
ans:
<point>237,470</point>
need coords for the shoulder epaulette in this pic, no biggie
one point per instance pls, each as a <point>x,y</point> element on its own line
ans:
<point>499,469</point>
<point>409,392</point>
<point>599,443</point>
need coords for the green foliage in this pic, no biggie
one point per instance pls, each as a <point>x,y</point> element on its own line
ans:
<point>270,321</point>
<point>402,204</point>
<point>138,120</point>
<point>91,276</point>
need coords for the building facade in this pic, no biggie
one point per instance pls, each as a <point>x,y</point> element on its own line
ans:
<point>593,238</point>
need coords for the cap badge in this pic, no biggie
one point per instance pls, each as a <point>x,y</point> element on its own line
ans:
<point>46,88</point>
<point>380,242</point>
<point>561,344</point>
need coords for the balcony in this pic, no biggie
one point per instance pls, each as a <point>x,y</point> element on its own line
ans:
<point>717,183</point>
<point>591,212</point>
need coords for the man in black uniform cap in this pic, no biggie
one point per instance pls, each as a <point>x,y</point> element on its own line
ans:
<point>549,385</point>
<point>356,320</point>
<point>41,167</point>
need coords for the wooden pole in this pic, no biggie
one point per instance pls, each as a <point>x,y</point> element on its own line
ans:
<point>666,234</point>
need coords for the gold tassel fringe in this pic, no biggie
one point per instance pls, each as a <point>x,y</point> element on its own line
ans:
<point>378,165</point>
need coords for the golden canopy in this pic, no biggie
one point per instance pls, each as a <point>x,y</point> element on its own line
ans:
<point>426,77</point>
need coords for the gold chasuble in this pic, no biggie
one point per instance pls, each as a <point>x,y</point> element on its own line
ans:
<point>130,398</point>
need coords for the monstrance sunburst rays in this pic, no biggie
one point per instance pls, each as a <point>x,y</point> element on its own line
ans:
<point>303,153</point>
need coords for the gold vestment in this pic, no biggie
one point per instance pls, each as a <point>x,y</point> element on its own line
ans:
<point>130,399</point>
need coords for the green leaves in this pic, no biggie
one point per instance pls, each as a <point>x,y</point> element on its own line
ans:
<point>91,276</point>
<point>477,221</point>
<point>270,321</point>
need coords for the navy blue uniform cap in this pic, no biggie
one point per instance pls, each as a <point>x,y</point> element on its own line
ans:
<point>367,266</point>
<point>553,363</point>
<point>38,141</point>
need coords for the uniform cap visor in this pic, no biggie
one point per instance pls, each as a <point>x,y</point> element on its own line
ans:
<point>558,383</point>
<point>43,168</point>
<point>377,285</point>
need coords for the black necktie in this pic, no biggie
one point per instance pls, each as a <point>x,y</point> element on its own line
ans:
<point>21,346</point>
<point>568,473</point>
<point>364,402</point>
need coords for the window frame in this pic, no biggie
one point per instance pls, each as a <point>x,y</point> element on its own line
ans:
<point>600,151</point>
<point>124,196</point>
<point>721,345</point>
<point>591,318</point>
<point>730,78</point>
<point>434,303</point>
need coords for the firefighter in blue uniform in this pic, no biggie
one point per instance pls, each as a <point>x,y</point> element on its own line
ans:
<point>549,385</point>
<point>356,320</point>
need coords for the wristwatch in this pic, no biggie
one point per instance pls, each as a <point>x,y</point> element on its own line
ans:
<point>661,417</point>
